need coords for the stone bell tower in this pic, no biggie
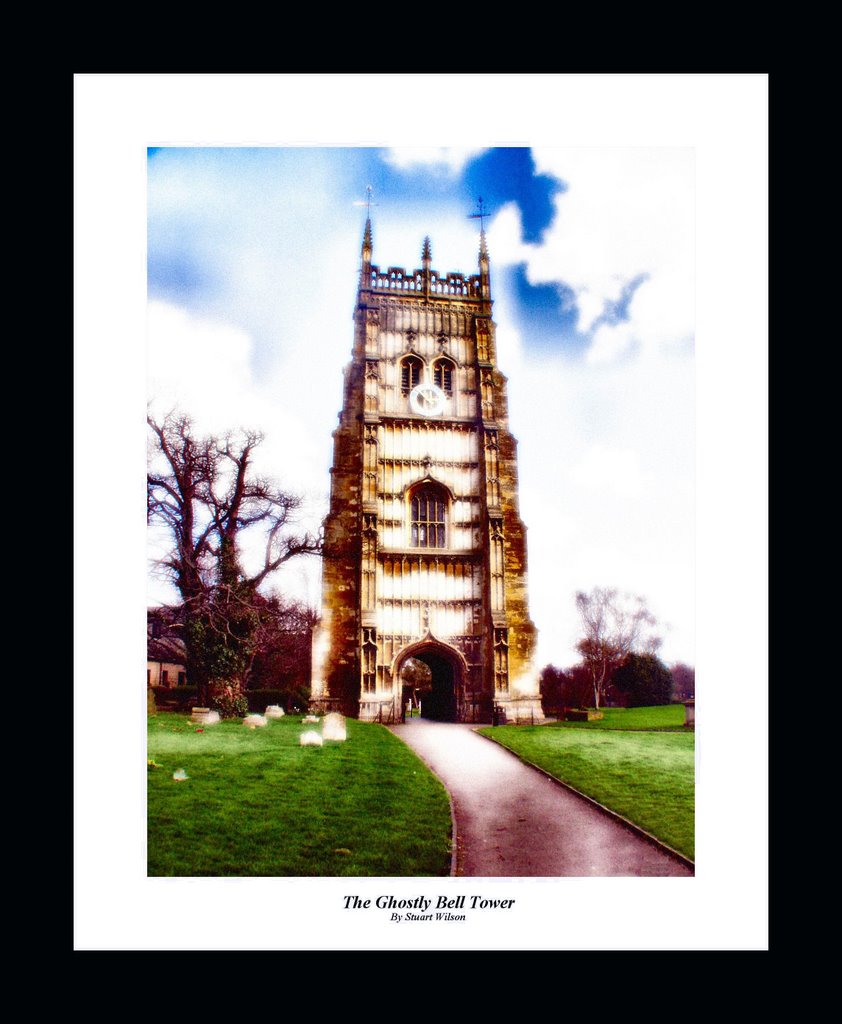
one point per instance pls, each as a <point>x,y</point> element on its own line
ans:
<point>425,552</point>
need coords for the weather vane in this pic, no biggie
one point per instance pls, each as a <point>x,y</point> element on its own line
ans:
<point>481,215</point>
<point>367,201</point>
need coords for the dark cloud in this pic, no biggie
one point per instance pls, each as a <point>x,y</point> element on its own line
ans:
<point>508,175</point>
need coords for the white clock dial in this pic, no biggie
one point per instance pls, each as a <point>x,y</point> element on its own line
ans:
<point>427,399</point>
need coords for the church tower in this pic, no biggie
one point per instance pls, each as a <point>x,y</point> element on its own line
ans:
<point>424,548</point>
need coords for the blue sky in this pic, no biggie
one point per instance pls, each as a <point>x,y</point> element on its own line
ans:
<point>253,256</point>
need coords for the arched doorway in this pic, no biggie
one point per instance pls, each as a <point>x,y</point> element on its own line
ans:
<point>438,690</point>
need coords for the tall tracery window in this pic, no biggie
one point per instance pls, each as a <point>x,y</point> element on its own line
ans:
<point>411,369</point>
<point>443,376</point>
<point>427,518</point>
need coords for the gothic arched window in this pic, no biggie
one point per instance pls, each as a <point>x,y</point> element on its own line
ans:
<point>411,369</point>
<point>428,512</point>
<point>443,375</point>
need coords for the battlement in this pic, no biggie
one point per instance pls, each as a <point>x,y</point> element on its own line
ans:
<point>396,279</point>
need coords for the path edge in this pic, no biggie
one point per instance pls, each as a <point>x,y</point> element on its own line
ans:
<point>454,835</point>
<point>607,810</point>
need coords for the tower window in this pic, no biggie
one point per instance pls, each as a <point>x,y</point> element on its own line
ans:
<point>428,518</point>
<point>443,375</point>
<point>410,373</point>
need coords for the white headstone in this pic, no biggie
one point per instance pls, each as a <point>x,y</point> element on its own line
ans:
<point>254,721</point>
<point>334,727</point>
<point>311,739</point>
<point>310,718</point>
<point>274,711</point>
<point>204,716</point>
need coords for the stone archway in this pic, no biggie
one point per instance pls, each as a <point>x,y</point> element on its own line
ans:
<point>442,698</point>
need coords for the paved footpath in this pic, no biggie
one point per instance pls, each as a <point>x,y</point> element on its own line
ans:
<point>512,821</point>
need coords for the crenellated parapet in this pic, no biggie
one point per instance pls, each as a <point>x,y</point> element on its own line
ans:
<point>420,283</point>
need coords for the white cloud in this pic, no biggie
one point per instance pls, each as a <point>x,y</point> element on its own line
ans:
<point>505,233</point>
<point>610,342</point>
<point>606,460</point>
<point>625,212</point>
<point>196,364</point>
<point>451,158</point>
<point>612,473</point>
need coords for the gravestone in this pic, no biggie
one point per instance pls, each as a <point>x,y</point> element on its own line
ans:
<point>254,721</point>
<point>310,718</point>
<point>690,712</point>
<point>204,716</point>
<point>311,739</point>
<point>274,711</point>
<point>334,727</point>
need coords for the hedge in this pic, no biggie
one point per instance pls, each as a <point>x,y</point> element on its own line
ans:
<point>183,697</point>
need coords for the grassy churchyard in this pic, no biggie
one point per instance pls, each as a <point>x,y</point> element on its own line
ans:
<point>255,802</point>
<point>639,762</point>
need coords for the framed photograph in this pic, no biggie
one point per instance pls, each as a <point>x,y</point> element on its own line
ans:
<point>438,437</point>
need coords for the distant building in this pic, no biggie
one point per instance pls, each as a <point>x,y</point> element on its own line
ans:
<point>165,653</point>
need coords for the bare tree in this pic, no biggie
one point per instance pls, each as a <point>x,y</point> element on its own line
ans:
<point>205,494</point>
<point>613,626</point>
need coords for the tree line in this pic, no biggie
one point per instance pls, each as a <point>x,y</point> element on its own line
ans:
<point>618,646</point>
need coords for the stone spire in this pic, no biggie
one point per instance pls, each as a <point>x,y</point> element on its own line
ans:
<point>483,247</point>
<point>484,276</point>
<point>426,254</point>
<point>365,268</point>
<point>367,243</point>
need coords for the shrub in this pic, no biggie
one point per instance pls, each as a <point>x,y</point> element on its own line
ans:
<point>644,681</point>
<point>560,689</point>
<point>229,700</point>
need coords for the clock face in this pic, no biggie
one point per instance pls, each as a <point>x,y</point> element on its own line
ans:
<point>427,399</point>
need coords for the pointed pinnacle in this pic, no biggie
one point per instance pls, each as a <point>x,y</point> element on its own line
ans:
<point>483,247</point>
<point>426,253</point>
<point>367,235</point>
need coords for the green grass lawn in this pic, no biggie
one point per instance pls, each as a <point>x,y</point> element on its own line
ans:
<point>666,717</point>
<point>258,803</point>
<point>646,776</point>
